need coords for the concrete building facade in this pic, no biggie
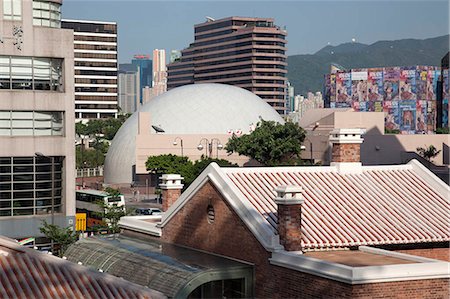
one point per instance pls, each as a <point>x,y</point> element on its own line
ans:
<point>240,51</point>
<point>37,153</point>
<point>95,47</point>
<point>129,92</point>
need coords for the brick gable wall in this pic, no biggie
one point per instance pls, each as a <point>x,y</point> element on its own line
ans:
<point>229,236</point>
<point>442,254</point>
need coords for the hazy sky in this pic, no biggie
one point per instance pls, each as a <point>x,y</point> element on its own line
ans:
<point>146,25</point>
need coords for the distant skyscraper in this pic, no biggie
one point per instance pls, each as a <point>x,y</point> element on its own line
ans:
<point>245,52</point>
<point>145,68</point>
<point>159,83</point>
<point>129,92</point>
<point>95,46</point>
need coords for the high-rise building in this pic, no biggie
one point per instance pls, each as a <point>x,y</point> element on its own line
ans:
<point>240,51</point>
<point>144,64</point>
<point>129,91</point>
<point>159,83</point>
<point>37,153</point>
<point>95,47</point>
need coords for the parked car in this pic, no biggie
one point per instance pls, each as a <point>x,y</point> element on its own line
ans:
<point>148,211</point>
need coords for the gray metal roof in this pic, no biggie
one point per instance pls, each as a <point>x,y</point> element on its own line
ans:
<point>172,270</point>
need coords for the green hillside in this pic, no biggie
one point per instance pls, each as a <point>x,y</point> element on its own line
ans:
<point>306,71</point>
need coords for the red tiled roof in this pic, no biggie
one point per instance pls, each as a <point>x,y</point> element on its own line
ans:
<point>378,205</point>
<point>26,273</point>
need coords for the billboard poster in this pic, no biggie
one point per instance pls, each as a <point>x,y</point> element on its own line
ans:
<point>408,84</point>
<point>391,115</point>
<point>407,112</point>
<point>359,85</point>
<point>421,115</point>
<point>374,106</point>
<point>342,105</point>
<point>421,83</point>
<point>363,106</point>
<point>445,97</point>
<point>433,77</point>
<point>333,88</point>
<point>375,85</point>
<point>343,88</point>
<point>431,116</point>
<point>391,79</point>
<point>445,113</point>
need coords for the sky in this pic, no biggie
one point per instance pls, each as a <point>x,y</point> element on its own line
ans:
<point>311,25</point>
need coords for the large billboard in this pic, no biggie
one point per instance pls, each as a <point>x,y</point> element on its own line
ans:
<point>406,95</point>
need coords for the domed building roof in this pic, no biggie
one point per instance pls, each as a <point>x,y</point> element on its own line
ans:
<point>190,109</point>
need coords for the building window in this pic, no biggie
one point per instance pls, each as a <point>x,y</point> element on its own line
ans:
<point>27,188</point>
<point>31,123</point>
<point>30,73</point>
<point>47,14</point>
<point>12,10</point>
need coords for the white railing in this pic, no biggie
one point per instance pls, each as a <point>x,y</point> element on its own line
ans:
<point>90,172</point>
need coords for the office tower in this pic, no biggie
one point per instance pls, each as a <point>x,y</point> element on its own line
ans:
<point>144,63</point>
<point>159,83</point>
<point>37,153</point>
<point>95,47</point>
<point>240,51</point>
<point>128,91</point>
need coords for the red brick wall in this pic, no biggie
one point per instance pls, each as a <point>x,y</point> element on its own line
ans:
<point>442,254</point>
<point>289,218</point>
<point>229,236</point>
<point>169,196</point>
<point>346,152</point>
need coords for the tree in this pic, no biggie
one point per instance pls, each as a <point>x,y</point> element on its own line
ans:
<point>112,212</point>
<point>428,153</point>
<point>62,237</point>
<point>165,164</point>
<point>270,143</point>
<point>201,164</point>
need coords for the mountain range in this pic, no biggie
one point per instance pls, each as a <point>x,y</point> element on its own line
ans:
<point>306,71</point>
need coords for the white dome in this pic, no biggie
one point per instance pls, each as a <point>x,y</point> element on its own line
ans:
<point>190,109</point>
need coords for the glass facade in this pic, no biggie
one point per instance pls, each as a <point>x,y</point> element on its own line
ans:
<point>31,123</point>
<point>46,14</point>
<point>30,73</point>
<point>26,185</point>
<point>12,10</point>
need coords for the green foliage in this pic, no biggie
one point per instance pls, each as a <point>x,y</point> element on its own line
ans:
<point>62,237</point>
<point>428,153</point>
<point>111,213</point>
<point>391,131</point>
<point>270,143</point>
<point>166,164</point>
<point>443,130</point>
<point>93,158</point>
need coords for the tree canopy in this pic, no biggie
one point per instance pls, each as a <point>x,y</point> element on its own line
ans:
<point>165,164</point>
<point>270,143</point>
<point>428,153</point>
<point>63,237</point>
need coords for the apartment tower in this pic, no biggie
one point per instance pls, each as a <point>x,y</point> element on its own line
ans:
<point>159,82</point>
<point>95,47</point>
<point>37,152</point>
<point>240,51</point>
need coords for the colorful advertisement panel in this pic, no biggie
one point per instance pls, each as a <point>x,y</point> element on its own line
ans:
<point>421,117</point>
<point>343,88</point>
<point>359,85</point>
<point>375,85</point>
<point>408,84</point>
<point>421,83</point>
<point>391,116</point>
<point>407,113</point>
<point>391,78</point>
<point>445,97</point>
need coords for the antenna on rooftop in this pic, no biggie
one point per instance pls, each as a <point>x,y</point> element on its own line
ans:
<point>209,19</point>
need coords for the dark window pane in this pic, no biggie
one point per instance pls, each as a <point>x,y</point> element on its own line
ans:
<point>23,160</point>
<point>5,204</point>
<point>43,177</point>
<point>23,169</point>
<point>43,211</point>
<point>43,168</point>
<point>40,194</point>
<point>43,160</point>
<point>5,178</point>
<point>23,194</point>
<point>5,160</point>
<point>19,212</point>
<point>57,175</point>
<point>5,169</point>
<point>5,195</point>
<point>5,213</point>
<point>6,186</point>
<point>23,203</point>
<point>23,186</point>
<point>57,192</point>
<point>23,177</point>
<point>44,185</point>
<point>43,202</point>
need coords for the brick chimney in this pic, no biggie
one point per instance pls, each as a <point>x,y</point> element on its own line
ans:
<point>171,189</point>
<point>346,145</point>
<point>289,201</point>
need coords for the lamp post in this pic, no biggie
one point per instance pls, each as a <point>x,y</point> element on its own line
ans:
<point>209,146</point>
<point>181,144</point>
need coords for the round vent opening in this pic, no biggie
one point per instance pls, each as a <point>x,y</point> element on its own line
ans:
<point>210,214</point>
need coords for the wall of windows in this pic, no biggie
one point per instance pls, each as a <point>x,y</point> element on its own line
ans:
<point>26,185</point>
<point>30,73</point>
<point>31,123</point>
<point>46,14</point>
<point>12,10</point>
